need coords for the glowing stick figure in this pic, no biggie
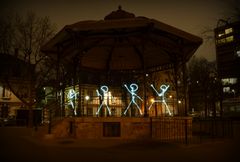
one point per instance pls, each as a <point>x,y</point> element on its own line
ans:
<point>104,98</point>
<point>133,88</point>
<point>161,93</point>
<point>72,95</point>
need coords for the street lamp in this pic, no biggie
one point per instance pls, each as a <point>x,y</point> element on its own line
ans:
<point>152,100</point>
<point>172,98</point>
<point>87,98</point>
<point>180,107</point>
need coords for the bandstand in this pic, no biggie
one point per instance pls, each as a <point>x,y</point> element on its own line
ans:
<point>113,78</point>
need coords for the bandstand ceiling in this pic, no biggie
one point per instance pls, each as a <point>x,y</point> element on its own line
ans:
<point>121,42</point>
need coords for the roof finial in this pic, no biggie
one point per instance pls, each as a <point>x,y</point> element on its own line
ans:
<point>119,14</point>
<point>119,7</point>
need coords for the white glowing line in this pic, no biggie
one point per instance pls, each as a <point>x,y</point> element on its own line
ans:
<point>161,93</point>
<point>133,88</point>
<point>71,96</point>
<point>104,98</point>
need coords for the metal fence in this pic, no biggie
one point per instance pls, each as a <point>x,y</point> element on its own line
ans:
<point>183,130</point>
<point>172,129</point>
<point>208,129</point>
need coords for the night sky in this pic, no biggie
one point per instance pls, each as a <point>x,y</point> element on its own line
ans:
<point>193,16</point>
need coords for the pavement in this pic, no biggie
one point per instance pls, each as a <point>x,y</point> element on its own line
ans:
<point>19,144</point>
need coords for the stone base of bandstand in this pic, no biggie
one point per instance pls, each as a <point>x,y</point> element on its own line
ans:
<point>163,128</point>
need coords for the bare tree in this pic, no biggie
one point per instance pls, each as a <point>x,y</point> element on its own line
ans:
<point>228,17</point>
<point>204,85</point>
<point>25,35</point>
<point>234,14</point>
<point>6,34</point>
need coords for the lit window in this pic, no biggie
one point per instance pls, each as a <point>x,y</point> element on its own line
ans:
<point>220,35</point>
<point>229,39</point>
<point>221,41</point>
<point>226,89</point>
<point>228,30</point>
<point>227,81</point>
<point>238,53</point>
<point>6,93</point>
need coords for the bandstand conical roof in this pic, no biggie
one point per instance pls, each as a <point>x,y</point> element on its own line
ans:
<point>122,41</point>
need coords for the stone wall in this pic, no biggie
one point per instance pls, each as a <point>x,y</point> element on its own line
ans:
<point>124,128</point>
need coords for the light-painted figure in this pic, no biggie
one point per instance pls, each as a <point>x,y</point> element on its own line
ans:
<point>161,93</point>
<point>104,98</point>
<point>72,95</point>
<point>132,89</point>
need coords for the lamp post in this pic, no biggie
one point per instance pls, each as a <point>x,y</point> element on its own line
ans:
<point>180,107</point>
<point>152,100</point>
<point>172,98</point>
<point>86,98</point>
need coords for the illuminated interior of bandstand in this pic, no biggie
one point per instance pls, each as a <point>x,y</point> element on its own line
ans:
<point>126,99</point>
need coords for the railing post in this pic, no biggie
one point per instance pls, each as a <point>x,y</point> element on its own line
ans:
<point>50,121</point>
<point>186,131</point>
<point>151,128</point>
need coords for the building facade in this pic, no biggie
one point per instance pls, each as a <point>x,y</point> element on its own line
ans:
<point>9,103</point>
<point>227,38</point>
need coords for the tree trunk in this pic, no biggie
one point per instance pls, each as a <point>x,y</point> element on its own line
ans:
<point>30,116</point>
<point>205,105</point>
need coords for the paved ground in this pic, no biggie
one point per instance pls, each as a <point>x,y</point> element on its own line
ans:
<point>18,144</point>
